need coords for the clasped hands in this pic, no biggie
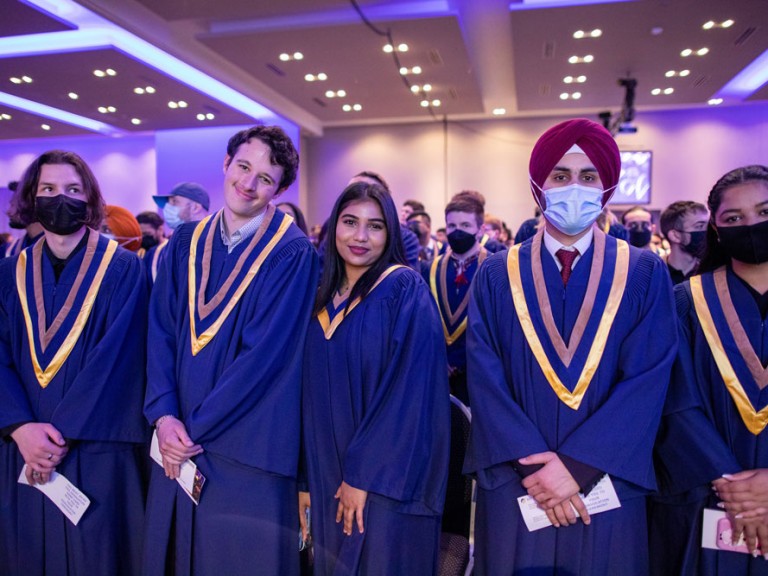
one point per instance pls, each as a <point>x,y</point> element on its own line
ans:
<point>555,490</point>
<point>42,447</point>
<point>744,497</point>
<point>175,445</point>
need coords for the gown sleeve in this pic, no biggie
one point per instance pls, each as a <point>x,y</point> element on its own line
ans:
<point>501,431</point>
<point>690,451</point>
<point>618,437</point>
<point>400,449</point>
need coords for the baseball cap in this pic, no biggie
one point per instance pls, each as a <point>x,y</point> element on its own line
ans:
<point>190,190</point>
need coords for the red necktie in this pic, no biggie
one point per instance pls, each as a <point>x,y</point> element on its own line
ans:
<point>566,258</point>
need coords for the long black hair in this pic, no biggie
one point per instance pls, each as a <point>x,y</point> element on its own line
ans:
<point>301,222</point>
<point>715,256</point>
<point>334,271</point>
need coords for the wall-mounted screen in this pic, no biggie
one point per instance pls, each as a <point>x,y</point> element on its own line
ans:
<point>635,180</point>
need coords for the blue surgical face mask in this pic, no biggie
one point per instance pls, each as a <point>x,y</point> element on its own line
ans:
<point>171,215</point>
<point>573,208</point>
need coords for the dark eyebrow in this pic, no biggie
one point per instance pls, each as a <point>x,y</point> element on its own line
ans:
<point>566,169</point>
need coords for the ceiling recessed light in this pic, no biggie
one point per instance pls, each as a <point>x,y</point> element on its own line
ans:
<point>5,116</point>
<point>727,23</point>
<point>200,117</point>
<point>708,25</point>
<point>73,95</point>
<point>576,95</point>
<point>182,104</point>
<point>27,79</point>
<point>388,48</point>
<point>427,87</point>
<point>403,70</point>
<point>416,70</point>
<point>322,76</point>
<point>357,107</point>
<point>309,77</point>
<point>436,102</point>
<point>209,116</point>
<point>568,79</point>
<point>684,73</point>
<point>110,72</point>
<point>15,80</point>
<point>596,33</point>
<point>172,104</point>
<point>102,109</point>
<point>424,103</point>
<point>346,108</point>
<point>564,96</point>
<point>656,91</point>
<point>714,101</point>
<point>668,90</point>
<point>45,127</point>
<point>149,90</point>
<point>499,111</point>
<point>330,94</point>
<point>670,73</point>
<point>581,59</point>
<point>341,93</point>
<point>402,47</point>
<point>415,88</point>
<point>99,73</point>
<point>702,51</point>
<point>111,109</point>
<point>135,121</point>
<point>138,90</point>
<point>285,57</point>
<point>581,79</point>
<point>298,56</point>
<point>685,53</point>
<point>579,34</point>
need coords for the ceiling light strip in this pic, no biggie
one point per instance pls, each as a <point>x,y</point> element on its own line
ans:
<point>59,115</point>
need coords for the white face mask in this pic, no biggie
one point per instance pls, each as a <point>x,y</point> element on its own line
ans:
<point>573,208</point>
<point>171,215</point>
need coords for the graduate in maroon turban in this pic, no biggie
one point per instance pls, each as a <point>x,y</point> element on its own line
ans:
<point>570,343</point>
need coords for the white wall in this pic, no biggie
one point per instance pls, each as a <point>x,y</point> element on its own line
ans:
<point>124,167</point>
<point>692,149</point>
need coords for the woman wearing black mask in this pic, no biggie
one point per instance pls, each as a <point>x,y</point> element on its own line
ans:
<point>72,362</point>
<point>713,444</point>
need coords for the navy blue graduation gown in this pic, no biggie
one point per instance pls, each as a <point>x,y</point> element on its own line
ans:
<point>239,398</point>
<point>95,401</point>
<point>515,411</point>
<point>376,415</point>
<point>703,435</point>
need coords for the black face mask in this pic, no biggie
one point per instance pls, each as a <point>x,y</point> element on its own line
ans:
<point>748,244</point>
<point>640,238</point>
<point>61,214</point>
<point>148,241</point>
<point>697,243</point>
<point>16,225</point>
<point>461,241</point>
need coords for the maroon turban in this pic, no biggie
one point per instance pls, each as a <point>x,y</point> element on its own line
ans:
<point>596,141</point>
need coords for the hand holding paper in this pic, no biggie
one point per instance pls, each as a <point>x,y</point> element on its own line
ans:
<point>175,446</point>
<point>42,446</point>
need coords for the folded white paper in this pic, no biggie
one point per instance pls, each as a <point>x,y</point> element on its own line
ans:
<point>190,478</point>
<point>62,493</point>
<point>601,499</point>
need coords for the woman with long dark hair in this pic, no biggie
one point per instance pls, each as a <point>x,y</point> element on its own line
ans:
<point>713,446</point>
<point>72,378</point>
<point>376,408</point>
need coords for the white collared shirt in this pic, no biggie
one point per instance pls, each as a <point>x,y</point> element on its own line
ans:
<point>582,245</point>
<point>241,234</point>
